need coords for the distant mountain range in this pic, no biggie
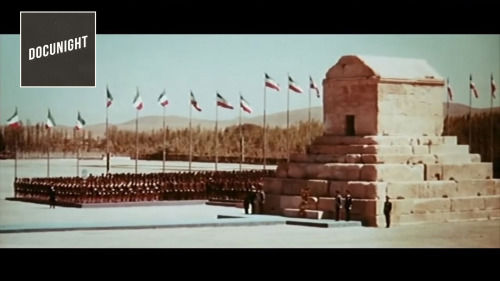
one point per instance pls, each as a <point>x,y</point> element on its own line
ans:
<point>148,123</point>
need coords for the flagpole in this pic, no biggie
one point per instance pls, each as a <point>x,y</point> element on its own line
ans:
<point>48,153</point>
<point>107,135</point>
<point>447,107</point>
<point>136,138</point>
<point>492,149</point>
<point>470,113</point>
<point>15,152</point>
<point>264,139</point>
<point>190,137</point>
<point>241,137</point>
<point>164,137</point>
<point>77,154</point>
<point>288,120</point>
<point>216,139</point>
<point>309,113</point>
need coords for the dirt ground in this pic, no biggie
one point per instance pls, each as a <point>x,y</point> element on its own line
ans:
<point>482,234</point>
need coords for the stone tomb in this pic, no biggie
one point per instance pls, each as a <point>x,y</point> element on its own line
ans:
<point>383,124</point>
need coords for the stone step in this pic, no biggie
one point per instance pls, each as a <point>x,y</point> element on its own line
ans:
<point>322,223</point>
<point>468,171</point>
<point>366,210</point>
<point>378,190</point>
<point>385,140</point>
<point>443,189</point>
<point>436,205</point>
<point>440,217</point>
<point>388,149</point>
<point>289,186</point>
<point>352,172</point>
<point>447,158</point>
<point>310,214</point>
<point>359,149</point>
<point>385,172</point>
<point>325,188</point>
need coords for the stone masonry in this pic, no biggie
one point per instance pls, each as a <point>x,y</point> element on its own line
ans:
<point>383,120</point>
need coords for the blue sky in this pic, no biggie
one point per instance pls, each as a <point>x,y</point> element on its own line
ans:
<point>230,64</point>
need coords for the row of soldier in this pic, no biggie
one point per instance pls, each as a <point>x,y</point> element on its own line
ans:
<point>220,185</point>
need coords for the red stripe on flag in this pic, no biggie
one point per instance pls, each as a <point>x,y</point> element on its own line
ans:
<point>246,109</point>
<point>474,90</point>
<point>272,85</point>
<point>295,88</point>
<point>225,105</point>
<point>15,125</point>
<point>195,105</point>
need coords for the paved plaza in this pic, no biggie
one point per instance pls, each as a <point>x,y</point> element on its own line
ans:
<point>197,225</point>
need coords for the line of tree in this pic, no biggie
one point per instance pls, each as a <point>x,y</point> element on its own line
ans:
<point>480,131</point>
<point>35,138</point>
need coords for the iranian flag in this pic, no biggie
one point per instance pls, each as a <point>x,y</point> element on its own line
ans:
<point>313,86</point>
<point>13,121</point>
<point>448,88</point>
<point>50,121</point>
<point>222,102</point>
<point>493,87</point>
<point>244,105</point>
<point>270,83</point>
<point>79,122</point>
<point>109,97</point>
<point>162,99</point>
<point>292,86</point>
<point>138,104</point>
<point>472,86</point>
<point>194,103</point>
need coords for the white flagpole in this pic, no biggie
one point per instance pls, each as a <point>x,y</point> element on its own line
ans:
<point>447,107</point>
<point>264,139</point>
<point>136,138</point>
<point>309,113</point>
<point>107,135</point>
<point>470,114</point>
<point>164,136</point>
<point>190,136</point>
<point>77,153</point>
<point>492,149</point>
<point>241,137</point>
<point>216,139</point>
<point>48,153</point>
<point>15,152</point>
<point>288,120</point>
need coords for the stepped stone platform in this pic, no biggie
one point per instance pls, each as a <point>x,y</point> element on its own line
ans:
<point>383,137</point>
<point>422,187</point>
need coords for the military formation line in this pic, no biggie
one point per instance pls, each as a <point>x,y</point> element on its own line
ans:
<point>202,185</point>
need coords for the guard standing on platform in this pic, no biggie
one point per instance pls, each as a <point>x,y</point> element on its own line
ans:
<point>338,204</point>
<point>387,211</point>
<point>348,206</point>
<point>52,197</point>
<point>261,199</point>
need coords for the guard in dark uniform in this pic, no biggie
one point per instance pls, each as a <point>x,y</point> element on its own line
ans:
<point>251,198</point>
<point>387,211</point>
<point>348,206</point>
<point>52,197</point>
<point>246,201</point>
<point>261,198</point>
<point>338,204</point>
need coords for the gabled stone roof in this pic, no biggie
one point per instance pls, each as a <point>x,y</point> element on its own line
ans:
<point>384,67</point>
